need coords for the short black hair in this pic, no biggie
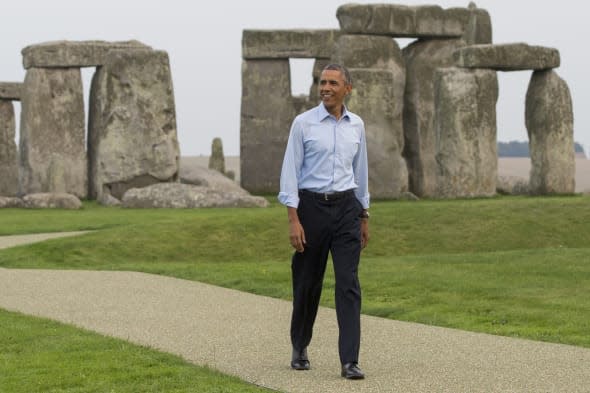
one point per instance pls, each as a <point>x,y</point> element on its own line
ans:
<point>342,69</point>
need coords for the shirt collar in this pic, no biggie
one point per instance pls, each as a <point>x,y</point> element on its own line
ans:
<point>323,112</point>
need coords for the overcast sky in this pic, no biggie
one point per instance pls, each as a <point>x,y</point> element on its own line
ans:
<point>203,40</point>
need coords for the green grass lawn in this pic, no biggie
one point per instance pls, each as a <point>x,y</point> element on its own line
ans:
<point>44,356</point>
<point>513,266</point>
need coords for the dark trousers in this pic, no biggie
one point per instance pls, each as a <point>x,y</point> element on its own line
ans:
<point>330,226</point>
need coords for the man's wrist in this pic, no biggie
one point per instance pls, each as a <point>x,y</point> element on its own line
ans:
<point>364,214</point>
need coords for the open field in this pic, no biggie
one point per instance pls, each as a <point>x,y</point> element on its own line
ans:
<point>518,167</point>
<point>510,266</point>
<point>513,266</point>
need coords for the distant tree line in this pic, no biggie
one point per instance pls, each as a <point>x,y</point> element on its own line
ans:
<point>521,149</point>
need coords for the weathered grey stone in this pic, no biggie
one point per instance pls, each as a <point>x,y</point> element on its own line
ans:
<point>73,53</point>
<point>402,21</point>
<point>52,137</point>
<point>465,123</point>
<point>367,51</point>
<point>51,201</point>
<point>217,159</point>
<point>423,58</point>
<point>209,178</point>
<point>8,152</point>
<point>477,22</point>
<point>11,202</point>
<point>507,57</point>
<point>512,185</point>
<point>132,140</point>
<point>284,44</point>
<point>109,200</point>
<point>176,195</point>
<point>314,90</point>
<point>550,126</point>
<point>11,90</point>
<point>266,115</point>
<point>378,74</point>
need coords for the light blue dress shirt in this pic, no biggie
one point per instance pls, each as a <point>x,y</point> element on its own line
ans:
<point>325,155</point>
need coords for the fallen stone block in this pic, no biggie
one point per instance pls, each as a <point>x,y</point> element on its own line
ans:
<point>185,196</point>
<point>507,57</point>
<point>10,202</point>
<point>51,201</point>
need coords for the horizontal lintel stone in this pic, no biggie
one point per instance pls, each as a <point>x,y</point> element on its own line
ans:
<point>10,90</point>
<point>284,44</point>
<point>429,21</point>
<point>73,53</point>
<point>507,57</point>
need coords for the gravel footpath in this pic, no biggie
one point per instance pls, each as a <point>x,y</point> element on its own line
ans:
<point>247,336</point>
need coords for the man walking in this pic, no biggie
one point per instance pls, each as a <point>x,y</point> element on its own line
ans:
<point>324,184</point>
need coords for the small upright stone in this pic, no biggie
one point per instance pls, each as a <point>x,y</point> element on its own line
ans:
<point>216,159</point>
<point>8,152</point>
<point>550,126</point>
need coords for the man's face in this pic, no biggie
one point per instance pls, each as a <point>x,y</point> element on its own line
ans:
<point>333,89</point>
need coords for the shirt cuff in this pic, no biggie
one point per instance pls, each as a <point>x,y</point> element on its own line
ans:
<point>289,200</point>
<point>364,201</point>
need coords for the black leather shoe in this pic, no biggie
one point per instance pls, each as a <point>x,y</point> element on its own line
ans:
<point>299,360</point>
<point>352,371</point>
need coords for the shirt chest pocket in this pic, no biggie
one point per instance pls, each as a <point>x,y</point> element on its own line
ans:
<point>319,140</point>
<point>347,145</point>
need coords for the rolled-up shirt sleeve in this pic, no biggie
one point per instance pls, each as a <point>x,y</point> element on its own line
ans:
<point>290,172</point>
<point>361,172</point>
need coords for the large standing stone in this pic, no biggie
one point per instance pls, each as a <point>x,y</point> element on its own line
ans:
<point>374,98</point>
<point>314,90</point>
<point>423,58</point>
<point>378,73</point>
<point>550,126</point>
<point>132,140</point>
<point>465,123</point>
<point>266,115</point>
<point>52,137</point>
<point>73,53</point>
<point>8,152</point>
<point>507,57</point>
<point>283,44</point>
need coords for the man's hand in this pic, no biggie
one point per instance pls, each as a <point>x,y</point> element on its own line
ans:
<point>364,232</point>
<point>296,232</point>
